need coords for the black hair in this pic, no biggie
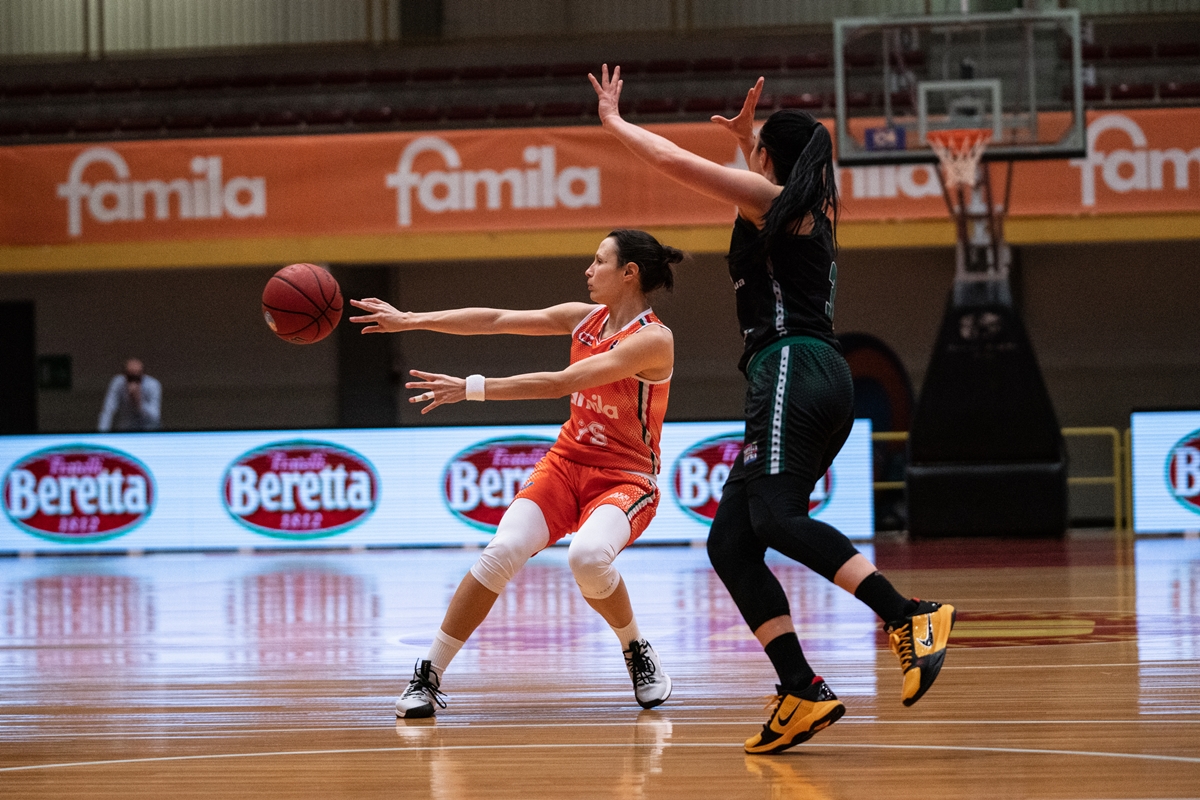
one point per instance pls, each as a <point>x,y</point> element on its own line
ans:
<point>802,153</point>
<point>654,259</point>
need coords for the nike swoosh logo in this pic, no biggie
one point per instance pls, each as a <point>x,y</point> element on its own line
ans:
<point>927,640</point>
<point>783,722</point>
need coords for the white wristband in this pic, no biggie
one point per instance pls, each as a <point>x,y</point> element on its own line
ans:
<point>475,387</point>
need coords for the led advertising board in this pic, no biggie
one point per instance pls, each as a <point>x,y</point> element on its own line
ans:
<point>1166,471</point>
<point>390,487</point>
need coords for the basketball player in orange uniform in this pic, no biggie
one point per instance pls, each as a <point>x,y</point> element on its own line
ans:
<point>598,481</point>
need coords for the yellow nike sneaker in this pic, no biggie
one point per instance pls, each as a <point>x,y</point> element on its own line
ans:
<point>919,641</point>
<point>795,718</point>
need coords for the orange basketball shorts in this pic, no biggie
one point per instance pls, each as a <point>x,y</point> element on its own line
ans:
<point>568,493</point>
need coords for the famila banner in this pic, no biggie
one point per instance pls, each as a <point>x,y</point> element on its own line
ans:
<point>347,488</point>
<point>522,179</point>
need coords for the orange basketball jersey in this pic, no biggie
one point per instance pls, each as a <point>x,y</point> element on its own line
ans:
<point>617,425</point>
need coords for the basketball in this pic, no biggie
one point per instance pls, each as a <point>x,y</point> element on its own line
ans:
<point>302,303</point>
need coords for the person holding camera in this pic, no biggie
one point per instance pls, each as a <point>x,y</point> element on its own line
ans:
<point>133,401</point>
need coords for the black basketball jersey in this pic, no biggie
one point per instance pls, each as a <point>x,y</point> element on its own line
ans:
<point>783,289</point>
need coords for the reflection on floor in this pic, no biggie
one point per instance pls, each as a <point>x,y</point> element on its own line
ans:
<point>1074,671</point>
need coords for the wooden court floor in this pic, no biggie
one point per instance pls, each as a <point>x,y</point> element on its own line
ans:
<point>1074,672</point>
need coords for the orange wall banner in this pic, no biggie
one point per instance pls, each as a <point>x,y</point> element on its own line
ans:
<point>506,180</point>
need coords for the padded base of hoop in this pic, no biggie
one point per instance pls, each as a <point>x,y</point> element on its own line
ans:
<point>1027,499</point>
<point>986,454</point>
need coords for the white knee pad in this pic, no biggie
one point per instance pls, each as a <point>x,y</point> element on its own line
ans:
<point>593,549</point>
<point>522,533</point>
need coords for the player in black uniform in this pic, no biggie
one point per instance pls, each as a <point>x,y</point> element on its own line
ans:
<point>799,402</point>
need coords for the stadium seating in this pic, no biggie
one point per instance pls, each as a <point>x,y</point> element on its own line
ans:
<point>283,93</point>
<point>515,111</point>
<point>806,100</point>
<point>656,105</point>
<point>373,116</point>
<point>327,116</point>
<point>1179,91</point>
<point>1126,51</point>
<point>418,114</point>
<point>185,122</point>
<point>668,66</point>
<point>276,119</point>
<point>707,65</point>
<point>467,113</point>
<point>705,105</point>
<point>1132,91</point>
<point>562,109</point>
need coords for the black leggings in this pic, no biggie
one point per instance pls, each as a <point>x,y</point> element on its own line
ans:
<point>770,511</point>
<point>799,413</point>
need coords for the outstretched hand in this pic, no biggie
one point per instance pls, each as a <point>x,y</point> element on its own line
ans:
<point>382,317</point>
<point>439,390</point>
<point>609,91</point>
<point>742,126</point>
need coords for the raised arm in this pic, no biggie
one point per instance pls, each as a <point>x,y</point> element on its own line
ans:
<point>750,192</point>
<point>648,354</point>
<point>382,317</point>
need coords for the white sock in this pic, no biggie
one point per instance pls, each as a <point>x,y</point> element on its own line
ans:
<point>629,633</point>
<point>443,650</point>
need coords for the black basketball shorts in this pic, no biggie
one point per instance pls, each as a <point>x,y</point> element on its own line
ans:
<point>799,409</point>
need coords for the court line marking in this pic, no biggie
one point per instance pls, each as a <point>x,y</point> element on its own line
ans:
<point>858,719</point>
<point>1165,663</point>
<point>622,745</point>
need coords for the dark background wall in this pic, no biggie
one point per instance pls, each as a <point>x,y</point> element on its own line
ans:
<point>1114,325</point>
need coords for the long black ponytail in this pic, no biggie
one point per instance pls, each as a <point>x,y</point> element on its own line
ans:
<point>802,153</point>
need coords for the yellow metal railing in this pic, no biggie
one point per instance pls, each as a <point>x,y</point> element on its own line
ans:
<point>1120,479</point>
<point>1115,479</point>
<point>1128,481</point>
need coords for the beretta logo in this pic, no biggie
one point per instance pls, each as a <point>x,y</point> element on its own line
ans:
<point>821,493</point>
<point>78,493</point>
<point>481,481</point>
<point>700,473</point>
<point>1183,471</point>
<point>300,489</point>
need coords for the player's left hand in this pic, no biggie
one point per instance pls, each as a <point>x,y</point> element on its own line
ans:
<point>437,390</point>
<point>608,90</point>
<point>742,126</point>
<point>382,317</point>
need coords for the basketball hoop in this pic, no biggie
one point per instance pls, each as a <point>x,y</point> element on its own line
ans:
<point>959,151</point>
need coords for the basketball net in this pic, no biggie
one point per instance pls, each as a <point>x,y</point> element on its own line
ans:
<point>959,152</point>
<point>982,254</point>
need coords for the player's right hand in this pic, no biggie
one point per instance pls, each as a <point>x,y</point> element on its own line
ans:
<point>440,390</point>
<point>608,90</point>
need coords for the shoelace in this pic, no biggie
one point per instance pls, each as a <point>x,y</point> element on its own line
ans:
<point>902,645</point>
<point>422,684</point>
<point>773,701</point>
<point>640,664</point>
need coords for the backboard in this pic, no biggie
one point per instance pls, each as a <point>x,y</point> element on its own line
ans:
<point>1016,75</point>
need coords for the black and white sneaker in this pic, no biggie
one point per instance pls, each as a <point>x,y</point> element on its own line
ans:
<point>422,693</point>
<point>651,685</point>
